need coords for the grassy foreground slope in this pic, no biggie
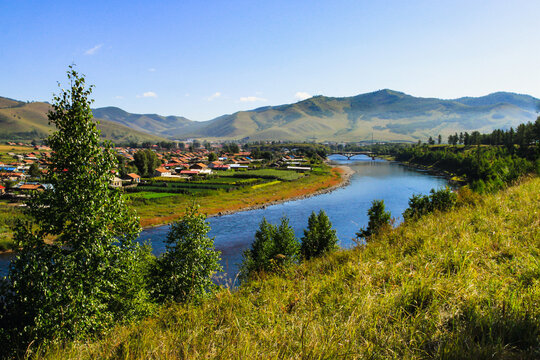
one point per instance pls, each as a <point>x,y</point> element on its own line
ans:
<point>463,284</point>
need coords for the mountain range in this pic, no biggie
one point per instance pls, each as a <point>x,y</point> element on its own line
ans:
<point>385,114</point>
<point>29,121</point>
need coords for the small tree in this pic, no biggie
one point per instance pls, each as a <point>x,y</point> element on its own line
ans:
<point>34,170</point>
<point>274,247</point>
<point>378,220</point>
<point>185,270</point>
<point>146,161</point>
<point>91,276</point>
<point>319,237</point>
<point>212,157</point>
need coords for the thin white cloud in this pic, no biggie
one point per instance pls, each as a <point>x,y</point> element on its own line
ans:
<point>119,97</point>
<point>93,50</point>
<point>251,99</point>
<point>302,95</point>
<point>152,70</point>
<point>148,94</point>
<point>214,96</point>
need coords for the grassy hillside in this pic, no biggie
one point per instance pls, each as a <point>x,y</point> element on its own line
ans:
<point>390,115</point>
<point>148,123</point>
<point>28,121</point>
<point>459,285</point>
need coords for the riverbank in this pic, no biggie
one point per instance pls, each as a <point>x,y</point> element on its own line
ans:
<point>454,180</point>
<point>163,212</point>
<point>166,210</point>
<point>345,173</point>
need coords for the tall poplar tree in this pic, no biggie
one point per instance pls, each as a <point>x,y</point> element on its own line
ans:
<point>79,270</point>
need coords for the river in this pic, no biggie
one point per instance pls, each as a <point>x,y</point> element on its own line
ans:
<point>346,207</point>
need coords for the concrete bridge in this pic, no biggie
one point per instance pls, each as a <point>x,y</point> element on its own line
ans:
<point>350,154</point>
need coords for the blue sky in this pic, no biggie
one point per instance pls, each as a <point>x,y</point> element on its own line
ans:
<point>203,59</point>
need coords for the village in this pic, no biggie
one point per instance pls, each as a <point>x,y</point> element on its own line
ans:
<point>23,166</point>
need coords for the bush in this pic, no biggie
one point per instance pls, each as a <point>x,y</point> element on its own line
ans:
<point>274,248</point>
<point>185,270</point>
<point>379,219</point>
<point>441,200</point>
<point>319,238</point>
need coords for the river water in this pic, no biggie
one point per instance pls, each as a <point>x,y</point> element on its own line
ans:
<point>346,207</point>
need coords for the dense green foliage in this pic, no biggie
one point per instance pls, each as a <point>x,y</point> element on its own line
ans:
<point>379,219</point>
<point>146,162</point>
<point>90,277</point>
<point>185,270</point>
<point>319,238</point>
<point>524,135</point>
<point>438,200</point>
<point>274,248</point>
<point>487,161</point>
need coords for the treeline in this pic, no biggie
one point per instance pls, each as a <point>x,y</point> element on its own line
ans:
<point>524,136</point>
<point>484,168</point>
<point>505,156</point>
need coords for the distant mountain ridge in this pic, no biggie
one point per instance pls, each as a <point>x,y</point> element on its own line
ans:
<point>386,115</point>
<point>21,120</point>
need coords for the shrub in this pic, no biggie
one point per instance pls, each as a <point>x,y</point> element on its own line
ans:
<point>319,237</point>
<point>185,270</point>
<point>441,200</point>
<point>379,219</point>
<point>274,248</point>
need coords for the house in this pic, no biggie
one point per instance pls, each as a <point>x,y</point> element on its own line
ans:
<point>132,178</point>
<point>214,164</point>
<point>160,172</point>
<point>116,182</point>
<point>198,166</point>
<point>299,168</point>
<point>2,190</point>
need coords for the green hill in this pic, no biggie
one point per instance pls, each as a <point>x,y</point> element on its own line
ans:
<point>388,114</point>
<point>28,121</point>
<point>457,285</point>
<point>149,123</point>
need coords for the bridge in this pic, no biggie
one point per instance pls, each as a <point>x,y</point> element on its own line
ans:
<point>350,154</point>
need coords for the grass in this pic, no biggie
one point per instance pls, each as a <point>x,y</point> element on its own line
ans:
<point>149,195</point>
<point>163,211</point>
<point>266,184</point>
<point>284,175</point>
<point>457,285</point>
<point>8,217</point>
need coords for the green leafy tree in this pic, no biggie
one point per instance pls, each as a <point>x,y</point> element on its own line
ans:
<point>379,219</point>
<point>212,157</point>
<point>146,162</point>
<point>319,238</point>
<point>92,275</point>
<point>185,270</point>
<point>34,170</point>
<point>274,248</point>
